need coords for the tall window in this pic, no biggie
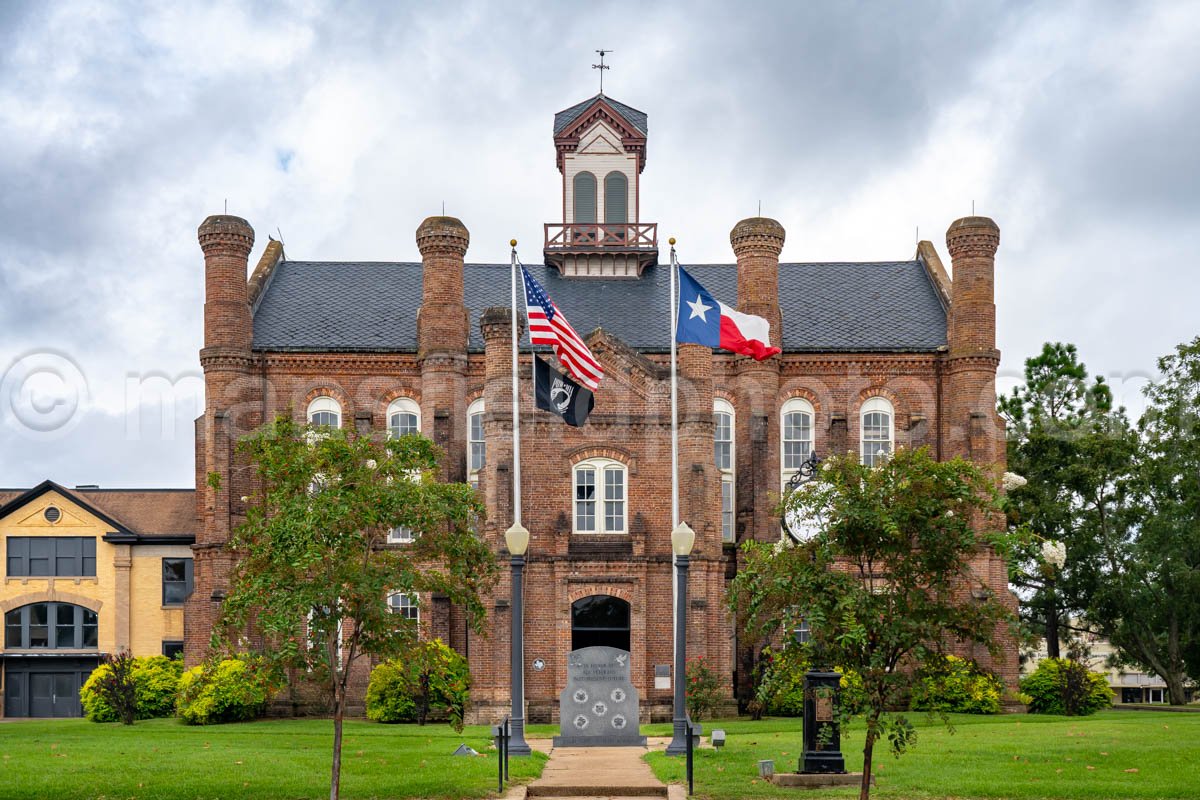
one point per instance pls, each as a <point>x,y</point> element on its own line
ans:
<point>797,434</point>
<point>51,556</point>
<point>325,411</point>
<point>406,605</point>
<point>403,417</point>
<point>176,580</point>
<point>599,496</point>
<point>476,446</point>
<point>616,198</point>
<point>51,626</point>
<point>723,455</point>
<point>877,431</point>
<point>585,197</point>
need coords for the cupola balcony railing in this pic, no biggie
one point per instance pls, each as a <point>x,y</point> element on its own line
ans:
<point>590,236</point>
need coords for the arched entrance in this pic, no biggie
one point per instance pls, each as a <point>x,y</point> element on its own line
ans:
<point>600,621</point>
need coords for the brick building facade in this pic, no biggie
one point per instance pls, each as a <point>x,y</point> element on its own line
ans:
<point>875,356</point>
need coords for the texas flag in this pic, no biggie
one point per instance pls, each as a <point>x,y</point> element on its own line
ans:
<point>703,320</point>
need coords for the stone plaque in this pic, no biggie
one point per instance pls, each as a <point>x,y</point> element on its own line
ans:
<point>599,707</point>
<point>824,708</point>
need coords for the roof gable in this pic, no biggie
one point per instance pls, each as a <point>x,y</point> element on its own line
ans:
<point>638,120</point>
<point>134,516</point>
<point>46,487</point>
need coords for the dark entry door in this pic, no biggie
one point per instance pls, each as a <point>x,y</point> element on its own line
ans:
<point>54,694</point>
<point>600,620</point>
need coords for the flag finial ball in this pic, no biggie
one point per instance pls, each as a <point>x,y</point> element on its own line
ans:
<point>512,242</point>
<point>671,241</point>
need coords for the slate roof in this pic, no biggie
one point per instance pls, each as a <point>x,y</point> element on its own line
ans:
<point>888,306</point>
<point>637,119</point>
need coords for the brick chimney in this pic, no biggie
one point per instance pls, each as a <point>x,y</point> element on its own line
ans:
<point>232,407</point>
<point>971,426</point>
<point>226,242</point>
<point>757,243</point>
<point>442,340</point>
<point>972,242</point>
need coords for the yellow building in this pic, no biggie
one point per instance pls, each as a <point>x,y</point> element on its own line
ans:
<point>88,572</point>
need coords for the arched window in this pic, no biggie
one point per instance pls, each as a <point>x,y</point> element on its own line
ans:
<point>724,456</point>
<point>796,426</point>
<point>877,431</point>
<point>600,621</point>
<point>599,496</point>
<point>51,626</point>
<point>326,412</point>
<point>476,445</point>
<point>585,197</point>
<point>616,198</point>
<point>403,417</point>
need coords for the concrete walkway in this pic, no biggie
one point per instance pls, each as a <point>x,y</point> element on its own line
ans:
<point>596,772</point>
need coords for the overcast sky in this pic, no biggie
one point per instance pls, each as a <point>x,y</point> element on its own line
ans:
<point>1073,125</point>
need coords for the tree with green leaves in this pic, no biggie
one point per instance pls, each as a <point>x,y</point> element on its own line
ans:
<point>1070,446</point>
<point>881,584</point>
<point>313,568</point>
<point>1148,600</point>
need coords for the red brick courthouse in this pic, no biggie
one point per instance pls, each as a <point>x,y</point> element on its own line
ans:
<point>875,356</point>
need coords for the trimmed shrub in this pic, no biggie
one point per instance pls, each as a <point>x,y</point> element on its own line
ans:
<point>233,690</point>
<point>853,697</point>
<point>430,679</point>
<point>958,685</point>
<point>1061,686</point>
<point>702,690</point>
<point>780,688</point>
<point>155,684</point>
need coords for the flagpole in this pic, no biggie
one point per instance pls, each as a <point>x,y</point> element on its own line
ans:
<point>674,392</point>
<point>516,403</point>
<point>517,539</point>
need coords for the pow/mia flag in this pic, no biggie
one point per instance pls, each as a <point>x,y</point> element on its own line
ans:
<point>559,394</point>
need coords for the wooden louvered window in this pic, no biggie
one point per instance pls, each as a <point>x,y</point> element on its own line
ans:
<point>585,197</point>
<point>616,199</point>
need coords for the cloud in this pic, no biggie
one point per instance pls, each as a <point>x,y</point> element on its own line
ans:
<point>342,126</point>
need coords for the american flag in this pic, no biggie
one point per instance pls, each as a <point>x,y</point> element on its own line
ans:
<point>547,325</point>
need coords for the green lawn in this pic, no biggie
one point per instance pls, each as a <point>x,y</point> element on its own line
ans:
<point>1021,756</point>
<point>271,759</point>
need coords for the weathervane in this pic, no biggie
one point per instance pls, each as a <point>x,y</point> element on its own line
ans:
<point>602,66</point>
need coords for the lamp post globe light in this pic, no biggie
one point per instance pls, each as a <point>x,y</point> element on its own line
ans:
<point>682,539</point>
<point>517,539</point>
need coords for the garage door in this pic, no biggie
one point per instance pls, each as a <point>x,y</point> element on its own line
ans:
<point>45,689</point>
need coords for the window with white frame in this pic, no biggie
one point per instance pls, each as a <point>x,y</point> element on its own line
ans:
<point>599,496</point>
<point>406,605</point>
<point>796,428</point>
<point>325,412</point>
<point>401,535</point>
<point>319,619</point>
<point>725,458</point>
<point>876,430</point>
<point>476,446</point>
<point>403,417</point>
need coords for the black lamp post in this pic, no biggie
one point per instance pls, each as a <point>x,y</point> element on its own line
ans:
<point>682,539</point>
<point>822,737</point>
<point>517,539</point>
